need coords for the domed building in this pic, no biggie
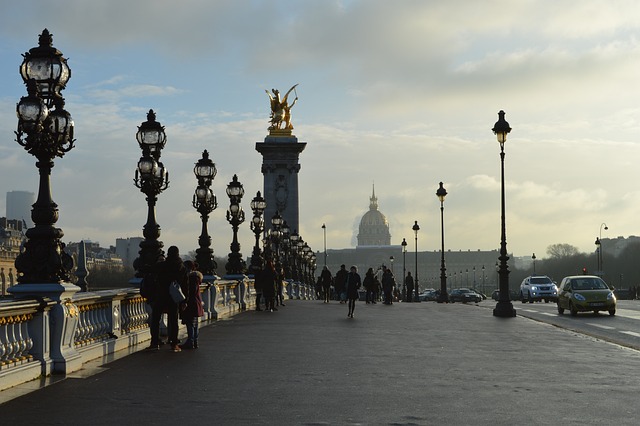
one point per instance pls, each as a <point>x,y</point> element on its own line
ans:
<point>374,227</point>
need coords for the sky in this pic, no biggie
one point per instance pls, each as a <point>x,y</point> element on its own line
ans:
<point>400,94</point>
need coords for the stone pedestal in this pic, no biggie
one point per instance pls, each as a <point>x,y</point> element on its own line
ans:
<point>280,153</point>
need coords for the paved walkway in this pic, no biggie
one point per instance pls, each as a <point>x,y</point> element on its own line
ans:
<point>405,364</point>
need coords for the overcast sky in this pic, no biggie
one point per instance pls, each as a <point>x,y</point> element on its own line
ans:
<point>402,93</point>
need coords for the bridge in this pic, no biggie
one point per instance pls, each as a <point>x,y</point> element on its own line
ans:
<point>307,363</point>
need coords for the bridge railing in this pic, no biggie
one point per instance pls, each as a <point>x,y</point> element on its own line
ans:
<point>40,336</point>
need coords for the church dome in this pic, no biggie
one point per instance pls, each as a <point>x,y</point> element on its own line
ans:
<point>374,227</point>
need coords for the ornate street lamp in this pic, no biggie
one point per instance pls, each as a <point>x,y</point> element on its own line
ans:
<point>151,178</point>
<point>45,134</point>
<point>504,307</point>
<point>441,193</point>
<point>416,228</point>
<point>294,238</point>
<point>285,239</point>
<point>258,205</point>
<point>204,201</point>
<point>235,216</point>
<point>404,270</point>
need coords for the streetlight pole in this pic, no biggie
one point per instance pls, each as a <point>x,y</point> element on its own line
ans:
<point>441,193</point>
<point>324,231</point>
<point>504,307</point>
<point>235,216</point>
<point>600,254</point>
<point>534,263</point>
<point>45,134</point>
<point>205,201</point>
<point>404,269</point>
<point>151,178</point>
<point>416,228</point>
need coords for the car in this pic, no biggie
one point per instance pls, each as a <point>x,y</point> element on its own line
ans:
<point>464,295</point>
<point>538,287</point>
<point>585,293</point>
<point>429,295</point>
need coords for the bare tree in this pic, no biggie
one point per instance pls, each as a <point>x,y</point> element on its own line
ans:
<point>560,251</point>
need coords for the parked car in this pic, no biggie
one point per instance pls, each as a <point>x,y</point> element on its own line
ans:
<point>464,295</point>
<point>580,293</point>
<point>538,287</point>
<point>429,295</point>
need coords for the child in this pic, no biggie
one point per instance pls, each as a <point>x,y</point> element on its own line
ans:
<point>191,308</point>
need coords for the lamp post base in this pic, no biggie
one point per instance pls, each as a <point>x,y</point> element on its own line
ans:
<point>504,310</point>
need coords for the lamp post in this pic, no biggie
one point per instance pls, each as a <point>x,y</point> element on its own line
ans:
<point>599,249</point>
<point>205,201</point>
<point>416,228</point>
<point>504,307</point>
<point>441,193</point>
<point>484,291</point>
<point>404,269</point>
<point>294,238</point>
<point>235,216</point>
<point>324,231</point>
<point>258,205</point>
<point>533,257</point>
<point>45,134</point>
<point>151,178</point>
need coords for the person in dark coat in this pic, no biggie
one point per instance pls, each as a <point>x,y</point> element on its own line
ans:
<point>269,277</point>
<point>388,283</point>
<point>167,271</point>
<point>339,283</point>
<point>191,309</point>
<point>352,284</point>
<point>325,280</point>
<point>369,284</point>
<point>408,282</point>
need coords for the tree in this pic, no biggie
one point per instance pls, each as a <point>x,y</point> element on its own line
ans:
<point>561,251</point>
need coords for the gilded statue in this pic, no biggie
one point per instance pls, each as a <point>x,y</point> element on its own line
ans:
<point>280,118</point>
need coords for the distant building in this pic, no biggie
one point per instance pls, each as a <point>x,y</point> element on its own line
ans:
<point>19,206</point>
<point>127,249</point>
<point>97,257</point>
<point>615,246</point>
<point>374,227</point>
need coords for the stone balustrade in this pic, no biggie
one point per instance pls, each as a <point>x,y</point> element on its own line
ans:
<point>39,336</point>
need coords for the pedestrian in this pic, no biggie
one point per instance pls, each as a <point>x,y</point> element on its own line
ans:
<point>269,277</point>
<point>352,285</point>
<point>388,283</point>
<point>167,270</point>
<point>257,284</point>
<point>340,283</point>
<point>408,282</point>
<point>369,284</point>
<point>191,309</point>
<point>325,279</point>
<point>279,284</point>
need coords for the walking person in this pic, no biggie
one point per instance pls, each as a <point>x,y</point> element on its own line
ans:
<point>388,283</point>
<point>191,309</point>
<point>257,284</point>
<point>325,279</point>
<point>269,277</point>
<point>339,283</point>
<point>169,270</point>
<point>279,284</point>
<point>352,285</point>
<point>408,282</point>
<point>369,284</point>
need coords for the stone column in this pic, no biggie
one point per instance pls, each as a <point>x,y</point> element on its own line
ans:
<point>280,152</point>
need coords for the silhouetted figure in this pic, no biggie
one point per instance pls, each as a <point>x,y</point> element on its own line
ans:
<point>325,280</point>
<point>408,282</point>
<point>369,284</point>
<point>352,285</point>
<point>340,283</point>
<point>191,309</point>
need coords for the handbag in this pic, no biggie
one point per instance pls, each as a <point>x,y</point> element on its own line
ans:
<point>176,292</point>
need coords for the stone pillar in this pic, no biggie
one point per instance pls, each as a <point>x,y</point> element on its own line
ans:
<point>280,152</point>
